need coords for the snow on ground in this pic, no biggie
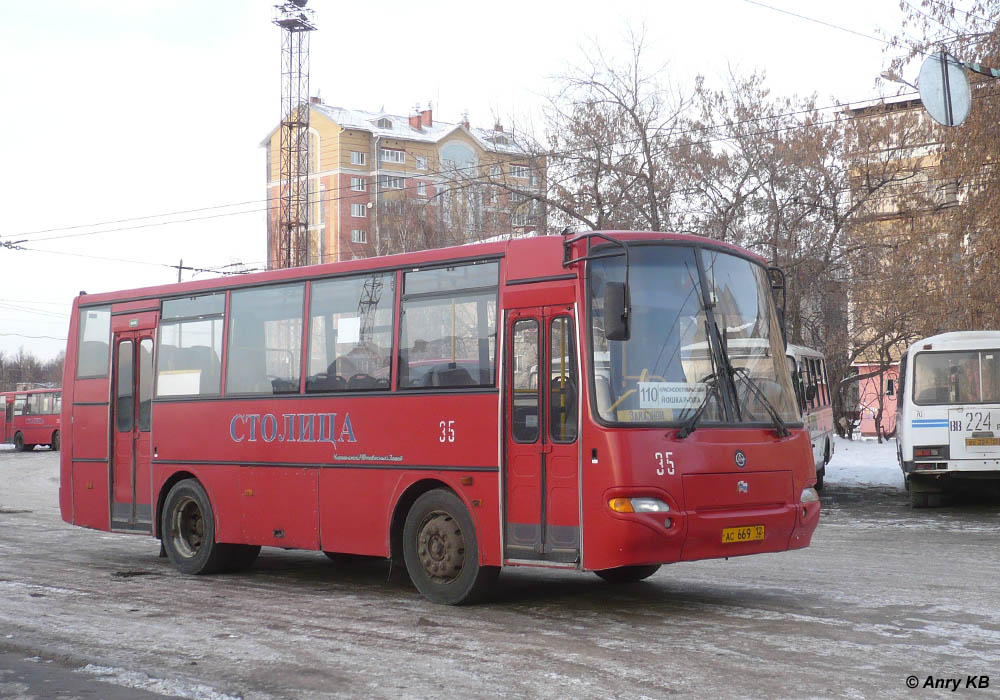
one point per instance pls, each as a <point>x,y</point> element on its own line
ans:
<point>864,463</point>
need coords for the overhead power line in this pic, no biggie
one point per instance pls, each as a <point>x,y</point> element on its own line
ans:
<point>486,179</point>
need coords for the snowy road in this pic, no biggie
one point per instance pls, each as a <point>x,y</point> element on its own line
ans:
<point>885,592</point>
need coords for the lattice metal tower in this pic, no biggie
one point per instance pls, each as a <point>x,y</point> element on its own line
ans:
<point>289,244</point>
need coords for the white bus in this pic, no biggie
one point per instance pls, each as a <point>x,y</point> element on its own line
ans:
<point>808,369</point>
<point>948,413</point>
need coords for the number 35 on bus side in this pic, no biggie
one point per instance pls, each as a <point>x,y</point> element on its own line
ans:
<point>664,462</point>
<point>447,433</point>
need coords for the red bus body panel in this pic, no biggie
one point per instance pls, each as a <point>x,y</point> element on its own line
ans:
<point>335,472</point>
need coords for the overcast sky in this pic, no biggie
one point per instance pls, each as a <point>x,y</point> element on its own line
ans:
<point>114,110</point>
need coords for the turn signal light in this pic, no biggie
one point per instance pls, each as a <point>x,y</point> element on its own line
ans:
<point>638,505</point>
<point>621,505</point>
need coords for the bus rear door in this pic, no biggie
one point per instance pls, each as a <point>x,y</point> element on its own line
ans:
<point>131,391</point>
<point>541,470</point>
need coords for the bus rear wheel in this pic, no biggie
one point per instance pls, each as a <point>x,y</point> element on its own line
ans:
<point>628,574</point>
<point>441,552</point>
<point>188,531</point>
<point>20,445</point>
<point>55,441</point>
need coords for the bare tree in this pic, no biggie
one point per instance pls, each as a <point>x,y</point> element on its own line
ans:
<point>969,154</point>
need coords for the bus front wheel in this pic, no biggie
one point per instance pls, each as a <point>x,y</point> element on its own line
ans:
<point>441,552</point>
<point>55,441</point>
<point>628,574</point>
<point>188,531</point>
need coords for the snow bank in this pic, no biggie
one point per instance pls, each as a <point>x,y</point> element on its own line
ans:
<point>864,463</point>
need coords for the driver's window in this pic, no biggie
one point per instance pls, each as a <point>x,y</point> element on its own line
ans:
<point>562,381</point>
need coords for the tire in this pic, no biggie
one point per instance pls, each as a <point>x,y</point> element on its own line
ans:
<point>820,475</point>
<point>628,574</point>
<point>187,527</point>
<point>918,499</point>
<point>441,551</point>
<point>19,442</point>
<point>242,556</point>
<point>55,441</point>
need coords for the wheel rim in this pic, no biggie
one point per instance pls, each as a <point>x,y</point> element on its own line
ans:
<point>187,527</point>
<point>441,547</point>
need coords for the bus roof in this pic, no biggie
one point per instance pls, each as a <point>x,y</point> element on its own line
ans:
<point>959,340</point>
<point>802,351</point>
<point>531,258</point>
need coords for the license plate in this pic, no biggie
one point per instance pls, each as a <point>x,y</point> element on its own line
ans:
<point>749,533</point>
<point>982,442</point>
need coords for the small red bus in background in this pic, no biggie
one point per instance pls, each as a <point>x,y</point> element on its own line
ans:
<point>400,407</point>
<point>30,418</point>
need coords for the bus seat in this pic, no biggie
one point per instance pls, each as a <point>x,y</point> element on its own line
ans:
<point>203,358</point>
<point>360,381</point>
<point>245,373</point>
<point>452,376</point>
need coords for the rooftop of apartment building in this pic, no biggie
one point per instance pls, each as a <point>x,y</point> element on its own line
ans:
<point>420,125</point>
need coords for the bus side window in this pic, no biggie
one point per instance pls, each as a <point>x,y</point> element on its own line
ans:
<point>901,380</point>
<point>826,384</point>
<point>448,327</point>
<point>796,383</point>
<point>265,340</point>
<point>818,398</point>
<point>350,333</point>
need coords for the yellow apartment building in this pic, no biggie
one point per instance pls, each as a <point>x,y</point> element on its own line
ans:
<point>382,183</point>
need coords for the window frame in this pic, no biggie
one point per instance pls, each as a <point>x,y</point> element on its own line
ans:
<point>391,155</point>
<point>405,296</point>
<point>302,340</point>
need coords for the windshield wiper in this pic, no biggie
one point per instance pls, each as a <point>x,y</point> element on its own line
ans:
<point>692,422</point>
<point>779,425</point>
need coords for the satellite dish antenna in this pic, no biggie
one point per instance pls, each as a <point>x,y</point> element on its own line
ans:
<point>944,89</point>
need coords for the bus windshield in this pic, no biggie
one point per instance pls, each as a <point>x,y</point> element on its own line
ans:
<point>667,368</point>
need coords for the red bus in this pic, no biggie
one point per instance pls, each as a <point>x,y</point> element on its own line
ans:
<point>400,407</point>
<point>30,418</point>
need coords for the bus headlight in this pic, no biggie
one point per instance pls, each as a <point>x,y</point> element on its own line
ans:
<point>809,495</point>
<point>638,505</point>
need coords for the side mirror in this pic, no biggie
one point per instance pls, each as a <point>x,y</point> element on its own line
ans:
<point>810,392</point>
<point>616,326</point>
<point>890,388</point>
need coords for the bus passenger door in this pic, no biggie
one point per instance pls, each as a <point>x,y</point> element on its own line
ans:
<point>132,393</point>
<point>6,417</point>
<point>541,469</point>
